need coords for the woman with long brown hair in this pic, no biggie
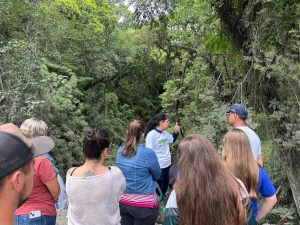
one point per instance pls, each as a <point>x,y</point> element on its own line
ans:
<point>138,204</point>
<point>205,191</point>
<point>239,159</point>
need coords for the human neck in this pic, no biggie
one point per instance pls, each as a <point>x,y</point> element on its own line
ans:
<point>93,163</point>
<point>240,123</point>
<point>159,128</point>
<point>7,210</point>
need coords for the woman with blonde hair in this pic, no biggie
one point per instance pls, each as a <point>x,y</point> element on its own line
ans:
<point>40,206</point>
<point>205,191</point>
<point>239,160</point>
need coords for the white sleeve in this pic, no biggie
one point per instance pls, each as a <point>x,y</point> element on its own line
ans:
<point>259,147</point>
<point>169,137</point>
<point>120,178</point>
<point>149,141</point>
<point>172,202</point>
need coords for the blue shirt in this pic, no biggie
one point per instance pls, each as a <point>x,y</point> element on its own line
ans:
<point>140,171</point>
<point>265,187</point>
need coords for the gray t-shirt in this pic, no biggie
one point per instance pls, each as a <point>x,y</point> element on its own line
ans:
<point>254,141</point>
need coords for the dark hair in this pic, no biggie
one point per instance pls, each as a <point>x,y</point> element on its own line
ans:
<point>25,169</point>
<point>154,122</point>
<point>95,141</point>
<point>134,135</point>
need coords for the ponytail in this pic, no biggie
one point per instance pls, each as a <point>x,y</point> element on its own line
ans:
<point>154,122</point>
<point>134,135</point>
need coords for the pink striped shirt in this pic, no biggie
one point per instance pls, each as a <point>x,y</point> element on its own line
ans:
<point>143,201</point>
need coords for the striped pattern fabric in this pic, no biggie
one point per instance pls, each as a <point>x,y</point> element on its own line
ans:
<point>142,201</point>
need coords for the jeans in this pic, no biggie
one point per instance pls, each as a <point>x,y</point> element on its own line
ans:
<point>41,220</point>
<point>131,215</point>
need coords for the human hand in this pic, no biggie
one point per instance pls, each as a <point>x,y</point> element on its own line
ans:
<point>177,128</point>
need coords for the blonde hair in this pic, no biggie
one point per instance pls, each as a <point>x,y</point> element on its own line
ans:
<point>34,127</point>
<point>239,159</point>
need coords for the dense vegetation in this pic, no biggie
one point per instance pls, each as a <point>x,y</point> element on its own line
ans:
<point>87,63</point>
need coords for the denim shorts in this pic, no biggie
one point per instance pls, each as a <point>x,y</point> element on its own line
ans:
<point>41,220</point>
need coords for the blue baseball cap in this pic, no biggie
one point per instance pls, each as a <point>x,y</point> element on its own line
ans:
<point>239,109</point>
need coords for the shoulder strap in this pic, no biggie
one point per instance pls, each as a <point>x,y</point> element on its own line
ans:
<point>73,171</point>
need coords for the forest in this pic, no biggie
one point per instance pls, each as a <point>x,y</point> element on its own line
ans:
<point>78,64</point>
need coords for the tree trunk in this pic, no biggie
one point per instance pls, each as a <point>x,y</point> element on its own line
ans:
<point>294,178</point>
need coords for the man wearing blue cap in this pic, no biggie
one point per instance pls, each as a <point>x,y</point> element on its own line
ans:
<point>237,115</point>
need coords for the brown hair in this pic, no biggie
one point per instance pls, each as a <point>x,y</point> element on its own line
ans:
<point>134,135</point>
<point>206,191</point>
<point>239,159</point>
<point>24,169</point>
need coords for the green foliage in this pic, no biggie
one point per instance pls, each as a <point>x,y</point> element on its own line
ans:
<point>200,111</point>
<point>82,63</point>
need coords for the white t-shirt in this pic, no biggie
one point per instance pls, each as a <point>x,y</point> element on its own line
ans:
<point>94,200</point>
<point>159,142</point>
<point>172,202</point>
<point>254,141</point>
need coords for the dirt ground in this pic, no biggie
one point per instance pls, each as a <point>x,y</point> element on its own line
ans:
<point>62,218</point>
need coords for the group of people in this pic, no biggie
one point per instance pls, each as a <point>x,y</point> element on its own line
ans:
<point>206,188</point>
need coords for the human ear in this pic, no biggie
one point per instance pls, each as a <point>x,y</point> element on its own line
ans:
<point>105,152</point>
<point>16,180</point>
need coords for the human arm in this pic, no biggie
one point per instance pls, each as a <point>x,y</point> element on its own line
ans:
<point>266,207</point>
<point>53,187</point>
<point>176,132</point>
<point>260,160</point>
<point>259,154</point>
<point>48,176</point>
<point>267,190</point>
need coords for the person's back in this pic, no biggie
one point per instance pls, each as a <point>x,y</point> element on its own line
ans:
<point>205,191</point>
<point>139,203</point>
<point>16,168</point>
<point>94,199</point>
<point>40,207</point>
<point>254,141</point>
<point>239,160</point>
<point>93,189</point>
<point>237,115</point>
<point>139,171</point>
<point>40,198</point>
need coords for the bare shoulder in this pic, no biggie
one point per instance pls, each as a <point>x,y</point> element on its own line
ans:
<point>70,170</point>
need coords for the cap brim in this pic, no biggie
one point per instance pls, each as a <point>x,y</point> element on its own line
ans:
<point>42,145</point>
